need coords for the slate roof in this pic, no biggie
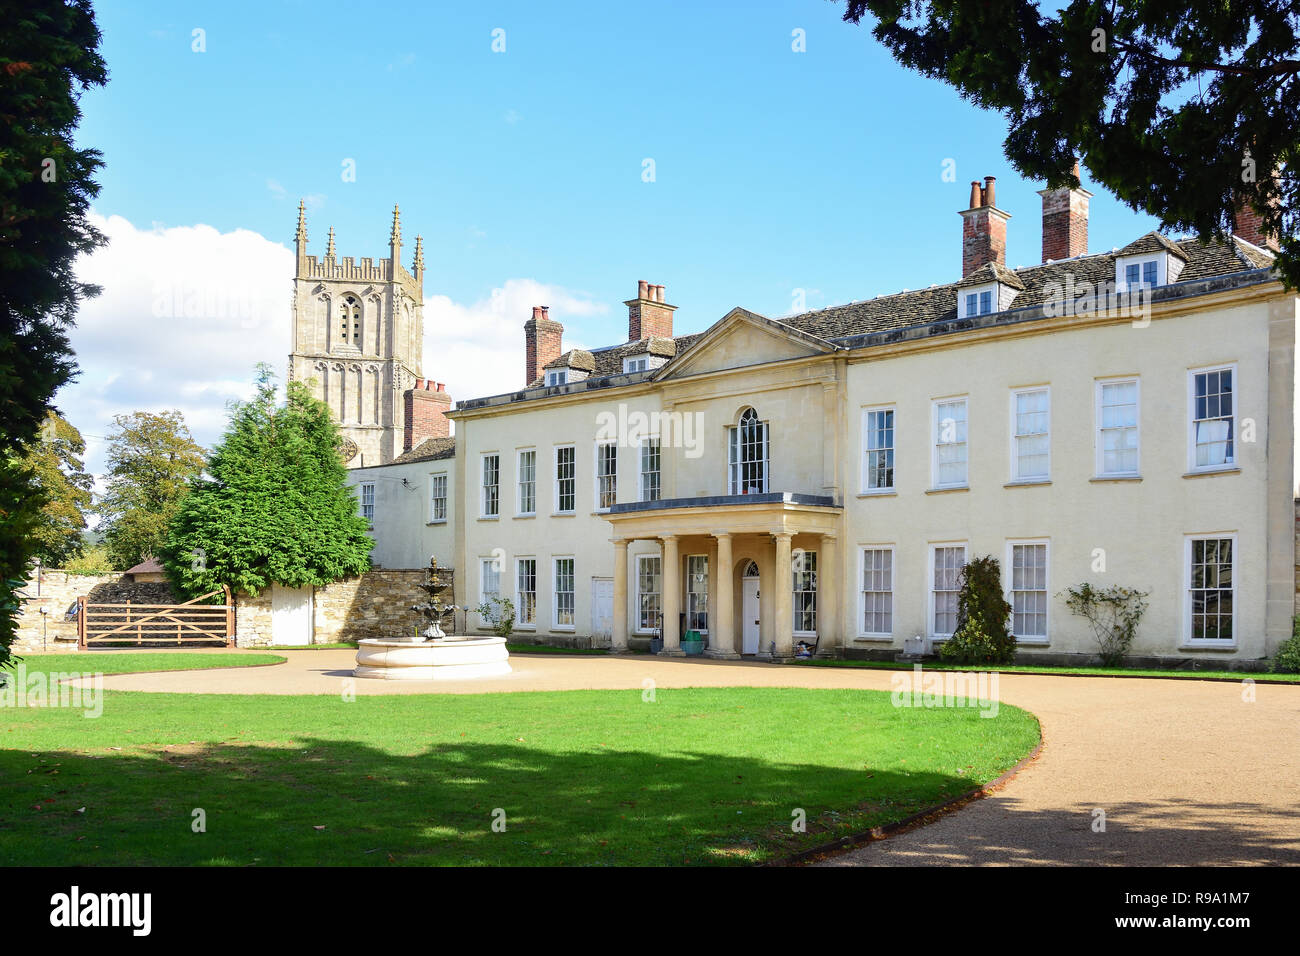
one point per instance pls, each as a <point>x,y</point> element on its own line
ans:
<point>938,303</point>
<point>431,449</point>
<point>574,358</point>
<point>149,565</point>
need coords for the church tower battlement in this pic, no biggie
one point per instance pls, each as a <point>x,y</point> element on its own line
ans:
<point>358,334</point>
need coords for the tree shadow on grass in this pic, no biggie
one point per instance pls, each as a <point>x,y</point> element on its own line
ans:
<point>341,802</point>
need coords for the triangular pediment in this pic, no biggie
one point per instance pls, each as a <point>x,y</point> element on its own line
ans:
<point>742,339</point>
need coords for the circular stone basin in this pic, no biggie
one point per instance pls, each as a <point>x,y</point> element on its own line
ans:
<point>443,659</point>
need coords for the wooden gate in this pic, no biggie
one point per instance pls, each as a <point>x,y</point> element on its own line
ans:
<point>158,624</point>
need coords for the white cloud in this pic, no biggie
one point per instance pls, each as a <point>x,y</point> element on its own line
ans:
<point>478,349</point>
<point>185,314</point>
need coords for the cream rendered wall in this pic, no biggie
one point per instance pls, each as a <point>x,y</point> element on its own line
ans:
<point>584,535</point>
<point>1140,525</point>
<point>404,535</point>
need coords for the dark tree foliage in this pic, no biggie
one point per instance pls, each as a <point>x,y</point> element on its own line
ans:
<point>277,508</point>
<point>982,634</point>
<point>1179,108</point>
<point>49,55</point>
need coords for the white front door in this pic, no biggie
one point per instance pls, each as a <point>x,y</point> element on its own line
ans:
<point>291,615</point>
<point>749,614</point>
<point>602,610</point>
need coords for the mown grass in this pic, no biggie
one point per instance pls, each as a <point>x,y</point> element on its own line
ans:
<point>697,776</point>
<point>1257,676</point>
<point>127,662</point>
<point>514,648</point>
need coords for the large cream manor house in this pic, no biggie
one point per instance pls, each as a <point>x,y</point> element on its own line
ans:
<point>1121,418</point>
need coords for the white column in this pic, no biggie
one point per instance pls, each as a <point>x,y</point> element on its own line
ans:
<point>618,641</point>
<point>722,629</point>
<point>782,598</point>
<point>830,617</point>
<point>672,598</point>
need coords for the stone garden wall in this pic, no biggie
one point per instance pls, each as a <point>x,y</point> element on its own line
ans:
<point>55,592</point>
<point>376,604</point>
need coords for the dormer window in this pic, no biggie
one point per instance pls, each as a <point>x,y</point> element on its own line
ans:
<point>557,376</point>
<point>980,300</point>
<point>1150,262</point>
<point>636,363</point>
<point>1135,273</point>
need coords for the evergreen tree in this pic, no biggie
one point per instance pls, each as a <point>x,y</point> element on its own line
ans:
<point>49,55</point>
<point>151,461</point>
<point>1177,108</point>
<point>276,508</point>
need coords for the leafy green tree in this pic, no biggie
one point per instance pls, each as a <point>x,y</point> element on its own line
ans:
<point>1180,109</point>
<point>276,508</point>
<point>49,55</point>
<point>55,459</point>
<point>150,463</point>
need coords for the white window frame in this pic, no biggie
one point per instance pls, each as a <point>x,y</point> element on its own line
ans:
<point>892,448</point>
<point>1099,445</point>
<point>933,549</point>
<point>523,624</point>
<point>736,464</point>
<point>795,571</point>
<point>963,301</point>
<point>559,495</point>
<point>520,483</point>
<point>1188,641</point>
<point>1016,476</point>
<point>597,478</point>
<point>691,593</point>
<point>935,444</point>
<point>1234,438</point>
<point>862,591</point>
<point>557,376</point>
<point>436,480</point>
<point>556,593</point>
<point>1161,261</point>
<point>483,497</point>
<point>636,363</point>
<point>486,565</point>
<point>1008,572</point>
<point>642,473</point>
<point>368,508</point>
<point>640,628</point>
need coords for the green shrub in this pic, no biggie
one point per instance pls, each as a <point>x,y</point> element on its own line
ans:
<point>1288,655</point>
<point>499,612</point>
<point>93,560</point>
<point>982,635</point>
<point>1113,613</point>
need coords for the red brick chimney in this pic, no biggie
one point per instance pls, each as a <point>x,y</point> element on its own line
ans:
<point>648,316</point>
<point>426,408</point>
<point>983,229</point>
<point>1065,221</point>
<point>1249,225</point>
<point>542,343</point>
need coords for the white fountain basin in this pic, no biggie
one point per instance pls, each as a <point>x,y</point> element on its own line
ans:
<point>452,658</point>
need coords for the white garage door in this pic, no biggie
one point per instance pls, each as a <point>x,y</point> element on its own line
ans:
<point>291,615</point>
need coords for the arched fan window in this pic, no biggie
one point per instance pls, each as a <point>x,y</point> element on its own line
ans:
<point>751,569</point>
<point>747,455</point>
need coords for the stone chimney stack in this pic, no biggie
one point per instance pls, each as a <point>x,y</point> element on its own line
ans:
<point>426,407</point>
<point>1065,222</point>
<point>984,229</point>
<point>648,315</point>
<point>542,343</point>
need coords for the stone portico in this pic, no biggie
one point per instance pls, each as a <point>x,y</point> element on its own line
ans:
<point>766,531</point>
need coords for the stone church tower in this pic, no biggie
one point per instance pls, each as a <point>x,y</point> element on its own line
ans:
<point>358,333</point>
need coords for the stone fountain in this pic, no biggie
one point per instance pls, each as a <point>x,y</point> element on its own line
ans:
<point>431,653</point>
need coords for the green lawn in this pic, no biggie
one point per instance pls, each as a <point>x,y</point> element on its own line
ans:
<point>1258,677</point>
<point>126,662</point>
<point>514,648</point>
<point>699,776</point>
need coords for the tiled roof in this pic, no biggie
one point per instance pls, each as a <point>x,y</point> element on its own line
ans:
<point>939,303</point>
<point>149,565</point>
<point>574,358</point>
<point>431,449</point>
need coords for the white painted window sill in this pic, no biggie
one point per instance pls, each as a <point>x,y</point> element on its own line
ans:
<point>1027,482</point>
<point>879,493</point>
<point>1208,646</point>
<point>947,490</point>
<point>875,637</point>
<point>1211,472</point>
<point>1107,479</point>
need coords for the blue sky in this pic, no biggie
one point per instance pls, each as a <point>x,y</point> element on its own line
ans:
<point>774,170</point>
